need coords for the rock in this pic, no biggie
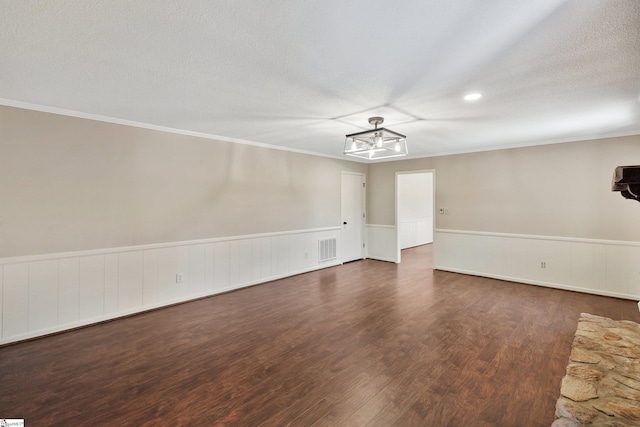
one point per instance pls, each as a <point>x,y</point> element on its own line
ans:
<point>584,356</point>
<point>577,389</point>
<point>588,327</point>
<point>585,372</point>
<point>586,317</point>
<point>602,382</point>
<point>622,343</point>
<point>608,362</point>
<point>610,336</point>
<point>626,410</point>
<point>625,394</point>
<point>628,382</point>
<point>601,406</point>
<point>615,423</point>
<point>633,326</point>
<point>575,412</point>
<point>629,370</point>
<point>585,343</point>
<point>632,353</point>
<point>565,422</point>
<point>589,335</point>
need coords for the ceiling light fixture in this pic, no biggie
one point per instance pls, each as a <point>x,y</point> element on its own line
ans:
<point>472,96</point>
<point>376,143</point>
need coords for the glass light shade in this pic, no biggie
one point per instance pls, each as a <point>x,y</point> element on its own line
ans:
<point>379,143</point>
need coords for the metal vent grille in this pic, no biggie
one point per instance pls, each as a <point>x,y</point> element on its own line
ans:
<point>326,249</point>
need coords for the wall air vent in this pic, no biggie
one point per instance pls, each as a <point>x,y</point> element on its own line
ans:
<point>327,249</point>
<point>626,180</point>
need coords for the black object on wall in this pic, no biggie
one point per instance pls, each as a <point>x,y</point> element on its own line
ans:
<point>626,180</point>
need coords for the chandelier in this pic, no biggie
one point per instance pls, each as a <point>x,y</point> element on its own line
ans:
<point>376,143</point>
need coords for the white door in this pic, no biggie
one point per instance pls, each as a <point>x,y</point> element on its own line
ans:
<point>352,206</point>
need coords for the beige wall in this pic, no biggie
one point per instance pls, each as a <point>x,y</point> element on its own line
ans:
<point>553,190</point>
<point>71,184</point>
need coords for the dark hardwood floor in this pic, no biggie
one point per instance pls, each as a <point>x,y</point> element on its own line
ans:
<point>367,343</point>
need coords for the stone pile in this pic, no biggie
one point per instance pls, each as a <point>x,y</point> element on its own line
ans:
<point>602,384</point>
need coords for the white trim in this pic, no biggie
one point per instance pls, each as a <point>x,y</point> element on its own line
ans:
<point>418,228</point>
<point>72,113</point>
<point>379,242</point>
<point>380,258</point>
<point>363,193</point>
<point>540,283</point>
<point>89,252</point>
<point>594,266</point>
<point>120,314</point>
<point>539,237</point>
<point>125,122</point>
<point>208,266</point>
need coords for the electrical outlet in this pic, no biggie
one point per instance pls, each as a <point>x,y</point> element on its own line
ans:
<point>543,264</point>
<point>179,277</point>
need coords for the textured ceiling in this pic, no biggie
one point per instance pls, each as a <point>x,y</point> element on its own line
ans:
<point>302,74</point>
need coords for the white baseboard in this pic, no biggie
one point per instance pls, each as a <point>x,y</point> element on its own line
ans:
<point>382,259</point>
<point>539,283</point>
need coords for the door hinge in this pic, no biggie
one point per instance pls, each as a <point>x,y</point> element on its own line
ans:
<point>363,245</point>
<point>364,185</point>
<point>363,215</point>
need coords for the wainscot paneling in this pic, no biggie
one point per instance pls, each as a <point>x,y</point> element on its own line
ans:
<point>600,267</point>
<point>91,286</point>
<point>43,294</point>
<point>15,299</point>
<point>382,242</point>
<point>415,232</point>
<point>1,293</point>
<point>68,290</point>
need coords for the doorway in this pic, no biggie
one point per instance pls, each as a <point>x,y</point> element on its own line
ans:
<point>352,206</point>
<point>415,201</point>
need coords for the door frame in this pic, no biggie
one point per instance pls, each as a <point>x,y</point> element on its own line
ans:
<point>363,199</point>
<point>433,195</point>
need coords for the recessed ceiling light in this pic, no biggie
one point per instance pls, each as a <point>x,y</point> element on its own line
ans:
<point>472,96</point>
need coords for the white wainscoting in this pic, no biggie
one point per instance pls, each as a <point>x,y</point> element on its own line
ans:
<point>415,232</point>
<point>600,267</point>
<point>42,294</point>
<point>382,242</point>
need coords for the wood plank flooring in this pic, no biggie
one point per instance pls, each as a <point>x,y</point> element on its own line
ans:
<point>368,343</point>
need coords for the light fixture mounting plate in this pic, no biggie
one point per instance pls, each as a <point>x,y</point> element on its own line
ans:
<point>376,121</point>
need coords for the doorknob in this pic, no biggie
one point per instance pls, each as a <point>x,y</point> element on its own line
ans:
<point>344,222</point>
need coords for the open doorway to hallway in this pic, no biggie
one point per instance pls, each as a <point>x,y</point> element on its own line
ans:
<point>415,201</point>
